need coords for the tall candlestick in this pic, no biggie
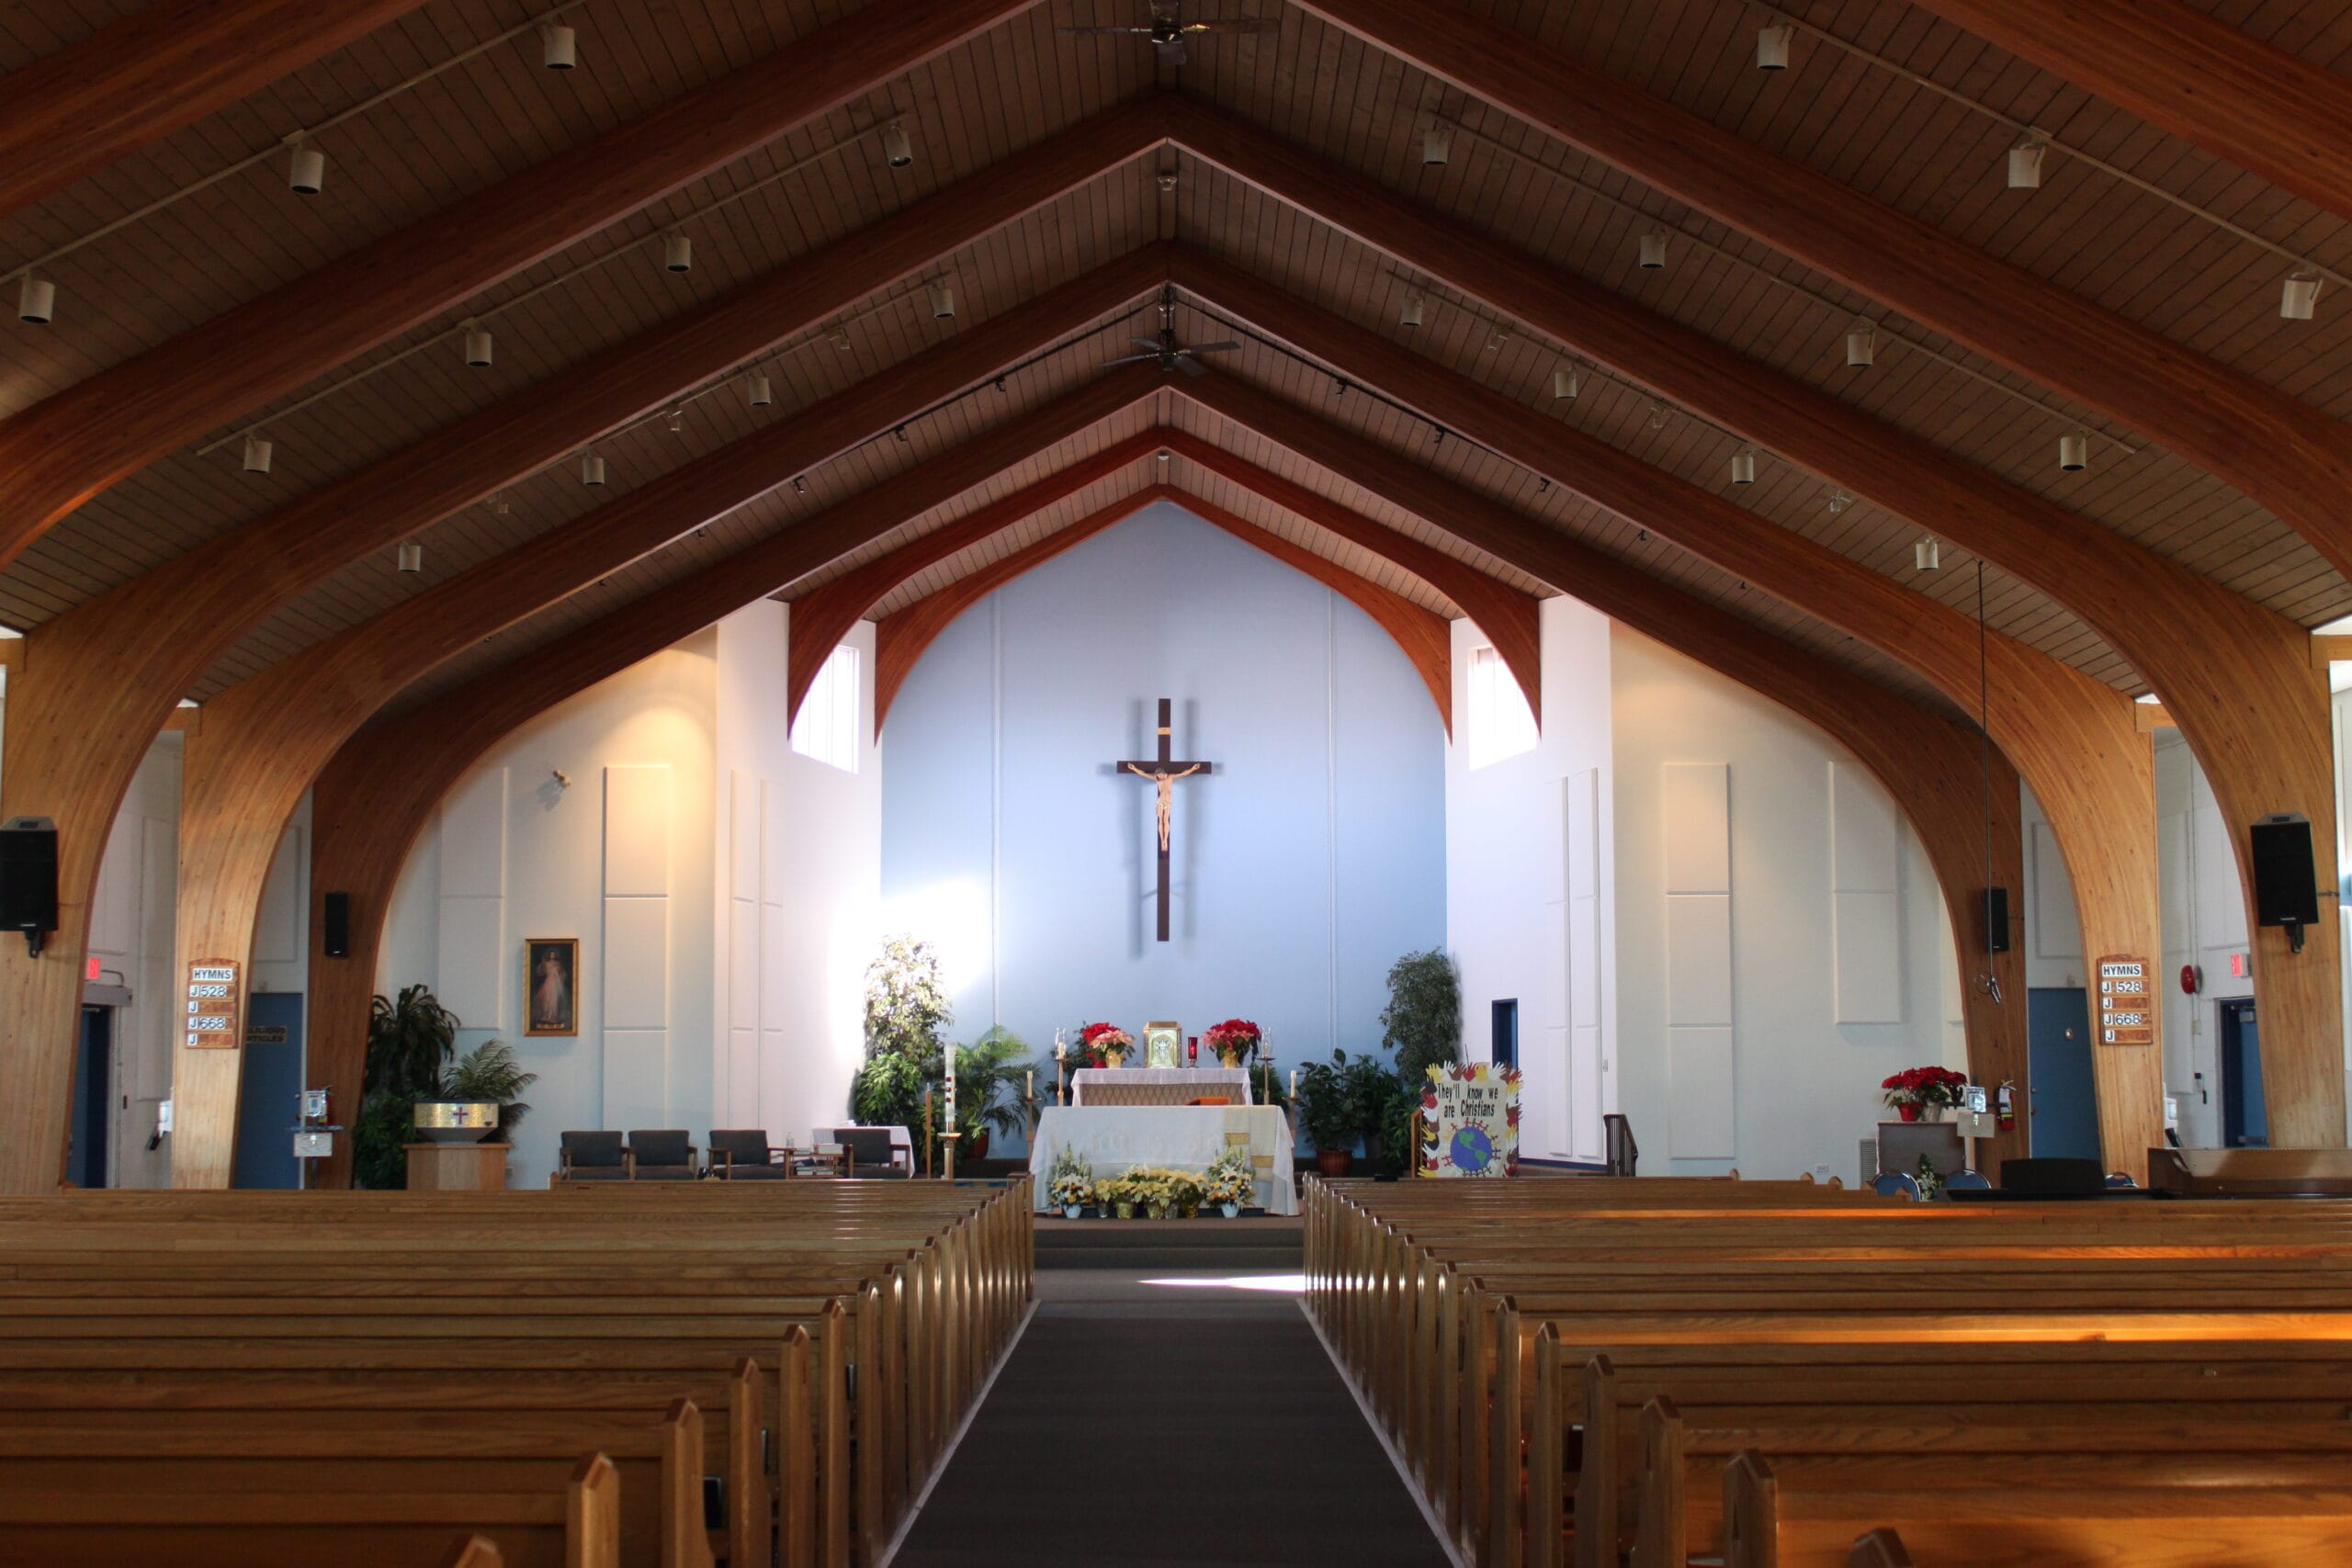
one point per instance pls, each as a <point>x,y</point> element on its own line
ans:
<point>1029,1085</point>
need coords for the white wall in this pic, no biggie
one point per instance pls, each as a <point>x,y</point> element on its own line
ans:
<point>623,859</point>
<point>132,921</point>
<point>799,877</point>
<point>1530,852</point>
<point>1783,943</point>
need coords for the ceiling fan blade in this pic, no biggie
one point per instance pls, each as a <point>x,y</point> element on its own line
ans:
<point>1234,25</point>
<point>1107,32</point>
<point>1228,346</point>
<point>1149,345</point>
<point>1188,365</point>
<point>1132,358</point>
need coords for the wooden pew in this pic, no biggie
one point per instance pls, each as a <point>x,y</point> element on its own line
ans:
<point>234,1518</point>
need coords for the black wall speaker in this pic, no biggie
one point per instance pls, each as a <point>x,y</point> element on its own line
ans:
<point>2286,888</point>
<point>29,878</point>
<point>338,925</point>
<point>1997,919</point>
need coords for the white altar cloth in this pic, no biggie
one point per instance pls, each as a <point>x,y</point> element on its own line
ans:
<point>1181,1137</point>
<point>1178,1084</point>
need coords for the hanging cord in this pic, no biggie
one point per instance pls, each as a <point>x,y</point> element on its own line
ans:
<point>1987,982</point>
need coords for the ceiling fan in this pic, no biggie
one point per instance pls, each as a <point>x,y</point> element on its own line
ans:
<point>1167,32</point>
<point>1164,347</point>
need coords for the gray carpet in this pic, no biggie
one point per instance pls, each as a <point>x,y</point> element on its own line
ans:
<point>1159,1424</point>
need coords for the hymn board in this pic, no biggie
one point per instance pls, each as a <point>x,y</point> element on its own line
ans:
<point>1164,771</point>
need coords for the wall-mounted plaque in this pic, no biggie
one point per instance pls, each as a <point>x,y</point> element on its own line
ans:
<point>214,999</point>
<point>2127,1002</point>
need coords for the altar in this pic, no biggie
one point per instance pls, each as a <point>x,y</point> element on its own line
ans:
<point>1158,1086</point>
<point>1180,1137</point>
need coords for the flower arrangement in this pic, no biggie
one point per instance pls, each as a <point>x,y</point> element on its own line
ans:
<point>1230,1182</point>
<point>1915,1088</point>
<point>1234,1040</point>
<point>1160,1190</point>
<point>1104,1046</point>
<point>1071,1183</point>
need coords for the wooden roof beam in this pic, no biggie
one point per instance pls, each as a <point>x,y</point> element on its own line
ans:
<point>68,447</point>
<point>2200,646</point>
<point>2283,453</point>
<point>2263,109</point>
<point>134,81</point>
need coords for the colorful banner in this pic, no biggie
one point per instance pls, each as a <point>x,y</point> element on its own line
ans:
<point>1469,1122</point>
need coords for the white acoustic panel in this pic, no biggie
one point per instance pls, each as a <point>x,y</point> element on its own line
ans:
<point>1699,1124</point>
<point>159,880</point>
<point>774,846</point>
<point>1586,1095</point>
<point>473,837</point>
<point>1869,956</point>
<point>636,1080</point>
<point>1865,833</point>
<point>742,834</point>
<point>775,962</point>
<point>279,924</point>
<point>636,831</point>
<point>2056,933</point>
<point>114,905</point>
<point>1698,959</point>
<point>742,961</point>
<point>1556,974</point>
<point>471,960</point>
<point>2221,891</point>
<point>1580,813</point>
<point>1581,808</point>
<point>1695,803</point>
<point>2172,853</point>
<point>636,963</point>
<point>741,1101</point>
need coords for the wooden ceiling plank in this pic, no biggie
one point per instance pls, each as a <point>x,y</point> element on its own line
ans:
<point>2291,457</point>
<point>68,447</point>
<point>2275,113</point>
<point>159,70</point>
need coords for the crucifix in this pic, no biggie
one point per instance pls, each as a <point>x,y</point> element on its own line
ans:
<point>1164,771</point>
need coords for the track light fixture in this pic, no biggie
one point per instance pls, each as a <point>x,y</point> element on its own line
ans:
<point>1927,555</point>
<point>1165,457</point>
<point>37,301</point>
<point>2298,296</point>
<point>1658,416</point>
<point>1654,248</point>
<point>1168,182</point>
<point>412,555</point>
<point>592,469</point>
<point>1772,41</point>
<point>1743,465</point>
<point>479,349</point>
<point>1497,338</point>
<point>558,47</point>
<point>757,392</point>
<point>1437,147</point>
<point>1566,383</point>
<point>2073,453</point>
<point>896,146</point>
<point>1861,344</point>
<point>677,419</point>
<point>677,252</point>
<point>1410,315</point>
<point>2025,162</point>
<point>498,503</point>
<point>839,340</point>
<point>799,485</point>
<point>942,302</point>
<point>1838,501</point>
<point>901,434</point>
<point>257,455</point>
<point>306,169</point>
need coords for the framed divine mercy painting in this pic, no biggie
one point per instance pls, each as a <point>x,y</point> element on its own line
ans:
<point>551,985</point>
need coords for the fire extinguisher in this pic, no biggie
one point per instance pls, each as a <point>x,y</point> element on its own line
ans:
<point>2005,1106</point>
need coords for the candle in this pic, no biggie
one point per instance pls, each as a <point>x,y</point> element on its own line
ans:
<point>1029,1085</point>
<point>1294,1083</point>
<point>1061,1052</point>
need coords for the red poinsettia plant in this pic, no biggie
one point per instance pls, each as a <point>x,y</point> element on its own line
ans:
<point>1234,1040</point>
<point>1098,1043</point>
<point>1914,1088</point>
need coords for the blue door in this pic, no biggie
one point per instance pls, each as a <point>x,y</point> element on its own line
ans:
<point>267,1106</point>
<point>2246,1123</point>
<point>85,1154</point>
<point>2064,1104</point>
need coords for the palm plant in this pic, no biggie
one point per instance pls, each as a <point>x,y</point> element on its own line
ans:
<point>986,1070</point>
<point>408,1041</point>
<point>489,1074</point>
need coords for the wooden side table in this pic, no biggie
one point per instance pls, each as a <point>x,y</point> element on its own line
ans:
<point>458,1167</point>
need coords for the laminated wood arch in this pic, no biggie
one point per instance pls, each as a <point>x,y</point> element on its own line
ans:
<point>2263,109</point>
<point>2203,648</point>
<point>96,684</point>
<point>66,448</point>
<point>2077,741</point>
<point>136,80</point>
<point>2283,451</point>
<point>1422,636</point>
<point>259,743</point>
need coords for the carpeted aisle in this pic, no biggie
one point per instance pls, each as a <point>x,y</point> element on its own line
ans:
<point>1150,1423</point>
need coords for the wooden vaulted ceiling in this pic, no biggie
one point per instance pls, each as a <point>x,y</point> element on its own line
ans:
<point>978,104</point>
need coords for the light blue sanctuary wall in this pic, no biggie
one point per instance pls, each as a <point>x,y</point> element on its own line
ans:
<point>1311,859</point>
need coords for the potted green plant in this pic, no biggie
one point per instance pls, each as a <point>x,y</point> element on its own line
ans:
<point>1422,1025</point>
<point>907,1014</point>
<point>409,1038</point>
<point>1331,1112</point>
<point>988,1081</point>
<point>480,1097</point>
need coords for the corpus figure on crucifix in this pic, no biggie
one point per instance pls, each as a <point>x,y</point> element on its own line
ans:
<point>1164,771</point>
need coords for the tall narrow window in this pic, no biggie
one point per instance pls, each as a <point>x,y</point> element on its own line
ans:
<point>826,730</point>
<point>1501,724</point>
<point>1503,1047</point>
